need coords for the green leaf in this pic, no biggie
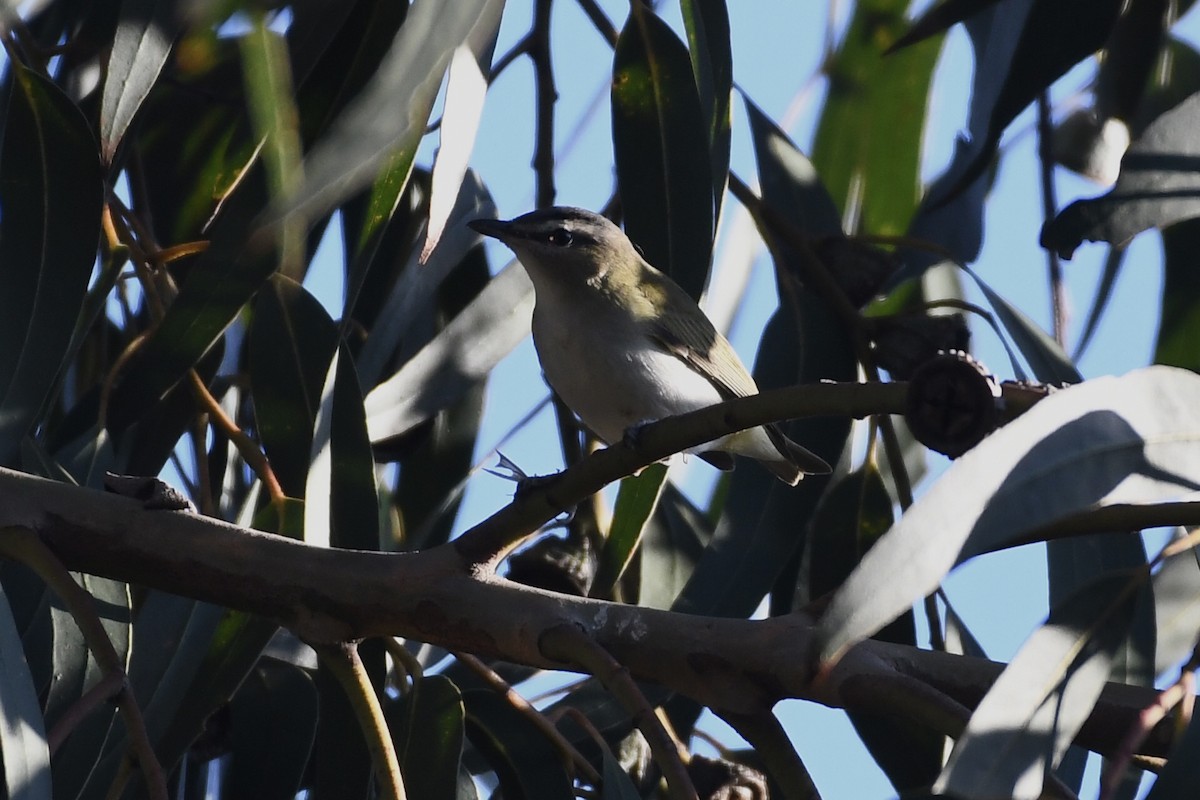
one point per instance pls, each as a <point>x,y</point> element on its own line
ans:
<point>458,358</point>
<point>145,33</point>
<point>660,143</point>
<point>525,762</point>
<point>51,191</point>
<point>24,755</point>
<point>1133,439</point>
<point>1027,720</point>
<point>636,500</point>
<point>1158,185</point>
<point>194,146</point>
<point>272,723</point>
<point>857,510</point>
<point>868,143</point>
<point>390,113</point>
<point>292,340</point>
<point>271,99</point>
<point>428,728</point>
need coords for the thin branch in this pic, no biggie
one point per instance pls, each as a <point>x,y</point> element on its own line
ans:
<point>547,96</point>
<point>346,666</point>
<point>566,750</point>
<point>570,644</point>
<point>488,542</point>
<point>599,20</point>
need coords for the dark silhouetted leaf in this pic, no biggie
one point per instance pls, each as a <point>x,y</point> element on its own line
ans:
<point>660,143</point>
<point>48,246</point>
<point>765,523</point>
<point>1111,440</point>
<point>1044,355</point>
<point>428,729</point>
<point>272,723</point>
<point>1159,185</point>
<point>707,24</point>
<point>525,762</point>
<point>1054,37</point>
<point>790,183</point>
<point>1181,775</point>
<point>939,19</point>
<point>292,340</point>
<point>341,506</point>
<point>1179,325</point>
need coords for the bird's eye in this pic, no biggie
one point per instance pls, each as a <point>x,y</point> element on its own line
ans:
<point>560,238</point>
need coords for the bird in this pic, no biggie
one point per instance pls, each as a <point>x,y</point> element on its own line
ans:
<point>623,345</point>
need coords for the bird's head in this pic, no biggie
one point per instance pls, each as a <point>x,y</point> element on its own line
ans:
<point>565,244</point>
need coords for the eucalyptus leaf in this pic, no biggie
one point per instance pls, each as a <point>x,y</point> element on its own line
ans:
<point>146,31</point>
<point>1134,439</point>
<point>1027,720</point>
<point>47,246</point>
<point>24,754</point>
<point>660,143</point>
<point>391,111</point>
<point>459,357</point>
<point>1159,184</point>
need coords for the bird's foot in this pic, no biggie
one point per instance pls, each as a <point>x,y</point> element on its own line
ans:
<point>633,433</point>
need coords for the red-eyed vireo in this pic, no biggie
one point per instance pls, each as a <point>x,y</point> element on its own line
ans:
<point>622,344</point>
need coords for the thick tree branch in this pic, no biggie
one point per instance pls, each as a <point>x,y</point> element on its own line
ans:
<point>329,595</point>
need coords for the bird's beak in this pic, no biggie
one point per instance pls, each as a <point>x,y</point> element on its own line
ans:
<point>496,228</point>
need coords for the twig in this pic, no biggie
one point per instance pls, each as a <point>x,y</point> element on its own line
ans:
<point>109,686</point>
<point>1058,299</point>
<point>547,96</point>
<point>599,20</point>
<point>346,666</point>
<point>1177,694</point>
<point>570,644</point>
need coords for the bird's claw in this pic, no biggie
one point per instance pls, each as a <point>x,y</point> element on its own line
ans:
<point>507,469</point>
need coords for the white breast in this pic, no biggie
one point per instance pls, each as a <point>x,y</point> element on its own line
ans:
<point>613,376</point>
